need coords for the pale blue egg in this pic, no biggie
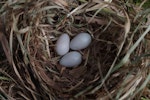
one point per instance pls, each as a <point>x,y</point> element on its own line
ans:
<point>62,44</point>
<point>81,41</point>
<point>71,59</point>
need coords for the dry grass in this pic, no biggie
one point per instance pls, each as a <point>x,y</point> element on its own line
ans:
<point>115,65</point>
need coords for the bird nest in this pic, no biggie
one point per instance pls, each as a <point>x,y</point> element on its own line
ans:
<point>32,29</point>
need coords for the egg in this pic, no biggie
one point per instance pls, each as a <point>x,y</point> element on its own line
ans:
<point>81,41</point>
<point>71,59</point>
<point>62,44</point>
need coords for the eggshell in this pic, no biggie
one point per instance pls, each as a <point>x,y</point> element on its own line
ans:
<point>81,41</point>
<point>71,59</point>
<point>62,44</point>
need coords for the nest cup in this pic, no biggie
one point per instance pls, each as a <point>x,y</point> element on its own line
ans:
<point>97,58</point>
<point>36,28</point>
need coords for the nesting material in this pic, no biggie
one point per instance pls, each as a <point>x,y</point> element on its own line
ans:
<point>33,28</point>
